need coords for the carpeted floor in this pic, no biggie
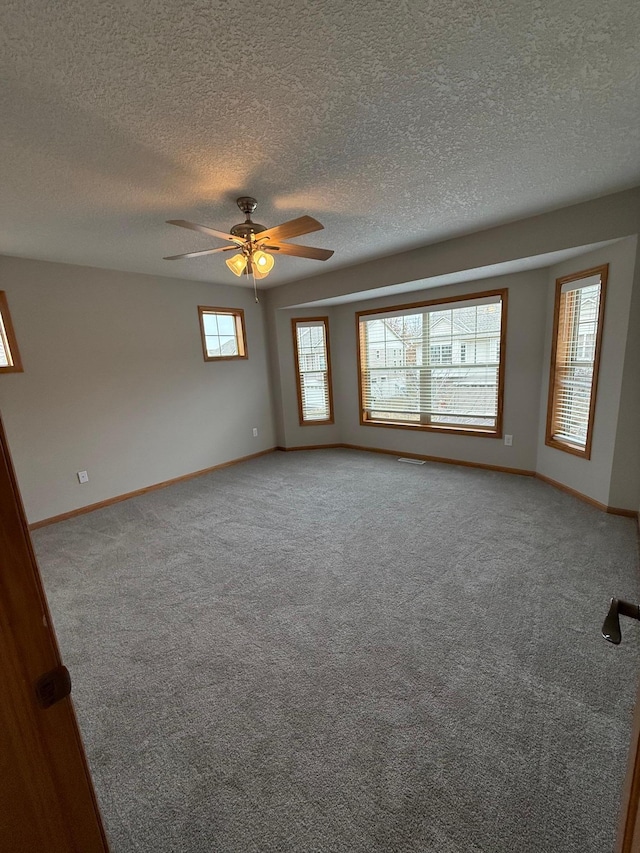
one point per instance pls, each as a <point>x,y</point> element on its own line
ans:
<point>334,652</point>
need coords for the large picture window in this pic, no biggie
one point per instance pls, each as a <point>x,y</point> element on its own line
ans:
<point>435,365</point>
<point>575,357</point>
<point>313,370</point>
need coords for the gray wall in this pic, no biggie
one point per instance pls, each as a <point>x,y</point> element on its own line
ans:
<point>290,432</point>
<point>613,475</point>
<point>525,335</point>
<point>625,490</point>
<point>529,328</point>
<point>115,383</point>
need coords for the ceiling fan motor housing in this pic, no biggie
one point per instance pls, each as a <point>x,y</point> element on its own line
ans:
<point>245,229</point>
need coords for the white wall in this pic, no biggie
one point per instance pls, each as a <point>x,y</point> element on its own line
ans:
<point>592,477</point>
<point>115,383</point>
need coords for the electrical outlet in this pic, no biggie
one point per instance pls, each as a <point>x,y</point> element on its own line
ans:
<point>508,440</point>
<point>255,432</point>
<point>83,477</point>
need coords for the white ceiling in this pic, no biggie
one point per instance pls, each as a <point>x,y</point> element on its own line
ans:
<point>394,123</point>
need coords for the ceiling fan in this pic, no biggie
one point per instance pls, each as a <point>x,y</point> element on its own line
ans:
<point>255,243</point>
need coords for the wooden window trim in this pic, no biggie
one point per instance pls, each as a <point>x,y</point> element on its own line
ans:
<point>241,335</point>
<point>9,338</point>
<point>550,441</point>
<point>294,324</point>
<point>493,432</point>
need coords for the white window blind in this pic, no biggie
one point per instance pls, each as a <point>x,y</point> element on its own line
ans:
<point>433,366</point>
<point>313,370</point>
<point>578,319</point>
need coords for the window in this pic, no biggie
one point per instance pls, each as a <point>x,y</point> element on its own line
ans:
<point>441,353</point>
<point>9,355</point>
<point>435,365</point>
<point>577,336</point>
<point>223,334</point>
<point>313,370</point>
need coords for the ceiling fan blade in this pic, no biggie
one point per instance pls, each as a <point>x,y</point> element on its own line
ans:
<point>204,229</point>
<point>293,228</point>
<point>298,251</point>
<point>198,254</point>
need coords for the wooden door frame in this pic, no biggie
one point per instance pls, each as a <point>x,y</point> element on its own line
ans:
<point>47,795</point>
<point>629,825</point>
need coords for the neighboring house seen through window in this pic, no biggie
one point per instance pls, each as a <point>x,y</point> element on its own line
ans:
<point>577,336</point>
<point>9,355</point>
<point>436,365</point>
<point>313,370</point>
<point>223,333</point>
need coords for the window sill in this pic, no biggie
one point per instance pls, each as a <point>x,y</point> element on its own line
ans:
<point>573,449</point>
<point>226,357</point>
<point>483,432</point>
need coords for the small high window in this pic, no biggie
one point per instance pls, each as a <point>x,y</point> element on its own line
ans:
<point>223,333</point>
<point>575,357</point>
<point>9,355</point>
<point>313,370</point>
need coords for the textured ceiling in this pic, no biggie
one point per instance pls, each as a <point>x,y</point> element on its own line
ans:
<point>394,123</point>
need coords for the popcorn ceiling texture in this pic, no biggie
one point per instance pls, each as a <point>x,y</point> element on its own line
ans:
<point>396,124</point>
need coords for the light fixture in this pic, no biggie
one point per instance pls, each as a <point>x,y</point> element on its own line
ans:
<point>262,261</point>
<point>251,261</point>
<point>237,264</point>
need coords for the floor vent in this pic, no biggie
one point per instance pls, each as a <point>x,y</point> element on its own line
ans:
<point>411,461</point>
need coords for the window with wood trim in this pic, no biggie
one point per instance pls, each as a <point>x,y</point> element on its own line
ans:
<point>223,333</point>
<point>435,365</point>
<point>9,356</point>
<point>313,370</point>
<point>575,358</point>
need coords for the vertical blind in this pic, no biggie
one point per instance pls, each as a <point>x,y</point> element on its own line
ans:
<point>314,393</point>
<point>437,365</point>
<point>578,316</point>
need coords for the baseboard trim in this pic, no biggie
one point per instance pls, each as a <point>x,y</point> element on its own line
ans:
<point>500,468</point>
<point>310,447</point>
<point>612,510</point>
<point>125,497</point>
<point>420,456</point>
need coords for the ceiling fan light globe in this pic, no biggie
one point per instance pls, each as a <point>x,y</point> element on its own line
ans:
<point>263,261</point>
<point>258,273</point>
<point>237,264</point>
